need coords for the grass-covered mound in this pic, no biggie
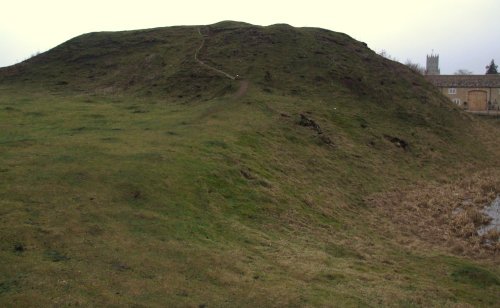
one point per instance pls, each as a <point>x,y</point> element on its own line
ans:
<point>132,175</point>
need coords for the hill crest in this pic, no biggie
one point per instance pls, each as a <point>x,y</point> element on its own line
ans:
<point>160,61</point>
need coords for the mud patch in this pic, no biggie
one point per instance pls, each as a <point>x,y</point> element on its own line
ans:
<point>307,122</point>
<point>400,143</point>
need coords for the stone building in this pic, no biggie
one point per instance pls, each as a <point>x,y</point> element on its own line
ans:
<point>471,92</point>
<point>432,65</point>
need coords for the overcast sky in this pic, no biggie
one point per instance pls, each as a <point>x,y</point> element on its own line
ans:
<point>465,33</point>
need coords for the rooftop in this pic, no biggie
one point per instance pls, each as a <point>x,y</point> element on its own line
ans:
<point>465,81</point>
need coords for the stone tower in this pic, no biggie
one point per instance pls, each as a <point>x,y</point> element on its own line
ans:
<point>432,67</point>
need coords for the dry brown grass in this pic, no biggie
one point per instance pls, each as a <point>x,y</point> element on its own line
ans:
<point>445,216</point>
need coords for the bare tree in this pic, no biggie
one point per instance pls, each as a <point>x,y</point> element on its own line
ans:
<point>417,68</point>
<point>463,71</point>
<point>386,55</point>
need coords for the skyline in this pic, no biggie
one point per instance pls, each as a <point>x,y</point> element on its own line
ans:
<point>461,31</point>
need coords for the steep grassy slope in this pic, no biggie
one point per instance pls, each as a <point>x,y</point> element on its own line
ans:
<point>130,175</point>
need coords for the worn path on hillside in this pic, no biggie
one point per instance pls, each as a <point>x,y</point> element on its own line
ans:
<point>243,83</point>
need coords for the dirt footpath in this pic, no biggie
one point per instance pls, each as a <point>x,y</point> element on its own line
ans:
<point>242,90</point>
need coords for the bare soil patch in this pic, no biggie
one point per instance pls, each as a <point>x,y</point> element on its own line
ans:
<point>242,90</point>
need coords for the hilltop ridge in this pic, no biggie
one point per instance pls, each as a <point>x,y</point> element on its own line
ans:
<point>300,61</point>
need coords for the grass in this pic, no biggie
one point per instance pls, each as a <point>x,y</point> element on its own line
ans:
<point>136,198</point>
<point>446,215</point>
<point>475,276</point>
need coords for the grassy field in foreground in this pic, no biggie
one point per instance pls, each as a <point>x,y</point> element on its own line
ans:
<point>120,201</point>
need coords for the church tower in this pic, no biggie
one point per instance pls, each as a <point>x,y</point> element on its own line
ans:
<point>432,67</point>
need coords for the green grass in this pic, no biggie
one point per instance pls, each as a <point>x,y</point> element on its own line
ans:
<point>148,198</point>
<point>478,277</point>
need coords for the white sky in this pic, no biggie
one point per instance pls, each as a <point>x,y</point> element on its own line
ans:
<point>464,32</point>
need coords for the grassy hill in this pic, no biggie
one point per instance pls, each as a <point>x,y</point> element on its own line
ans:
<point>132,175</point>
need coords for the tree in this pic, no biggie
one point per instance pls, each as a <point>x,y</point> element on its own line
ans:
<point>417,68</point>
<point>463,71</point>
<point>492,68</point>
<point>386,55</point>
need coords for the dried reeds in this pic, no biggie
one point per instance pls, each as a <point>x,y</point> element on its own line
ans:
<point>445,215</point>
